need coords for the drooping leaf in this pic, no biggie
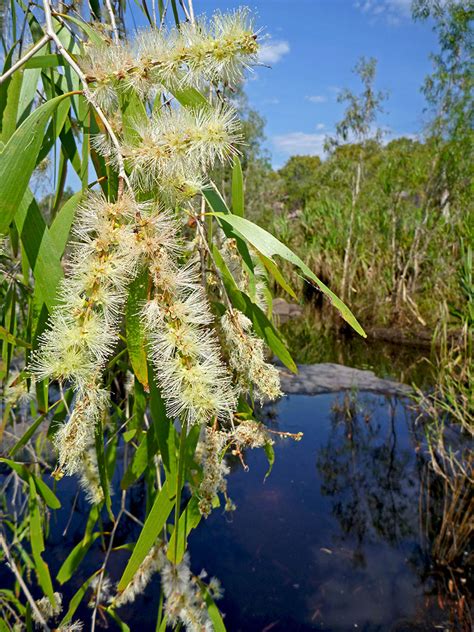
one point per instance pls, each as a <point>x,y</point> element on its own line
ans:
<point>18,159</point>
<point>270,454</point>
<point>43,257</point>
<point>189,520</point>
<point>61,226</point>
<point>269,245</point>
<point>75,557</point>
<point>261,324</point>
<point>153,525</point>
<point>76,600</point>
<point>37,544</point>
<point>40,486</point>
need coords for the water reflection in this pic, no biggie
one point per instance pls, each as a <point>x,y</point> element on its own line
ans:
<point>332,540</point>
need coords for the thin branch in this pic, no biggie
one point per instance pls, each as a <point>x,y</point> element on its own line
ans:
<point>23,586</point>
<point>113,22</point>
<point>191,11</point>
<point>44,40</point>
<point>106,560</point>
<point>186,13</point>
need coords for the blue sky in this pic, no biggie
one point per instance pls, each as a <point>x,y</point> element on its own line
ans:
<point>312,46</point>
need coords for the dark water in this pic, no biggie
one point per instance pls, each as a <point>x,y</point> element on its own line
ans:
<point>331,540</point>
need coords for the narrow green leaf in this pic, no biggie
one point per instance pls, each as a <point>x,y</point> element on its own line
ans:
<point>136,339</point>
<point>91,33</point>
<point>10,112</point>
<point>46,493</point>
<point>27,436</point>
<point>37,545</point>
<point>76,600</point>
<point>269,245</point>
<point>133,112</point>
<point>154,523</point>
<point>214,614</point>
<point>261,324</point>
<point>18,160</point>
<point>121,624</point>
<point>40,486</point>
<point>189,520</point>
<point>274,270</point>
<point>28,94</point>
<point>40,249</point>
<point>165,432</point>
<point>217,203</point>
<point>75,557</point>
<point>190,97</point>
<point>45,61</point>
<point>103,474</point>
<point>61,226</point>
<point>11,339</point>
<point>270,453</point>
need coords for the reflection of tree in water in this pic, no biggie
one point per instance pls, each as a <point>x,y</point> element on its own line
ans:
<point>369,475</point>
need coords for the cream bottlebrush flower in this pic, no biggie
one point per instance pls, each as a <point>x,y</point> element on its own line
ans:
<point>153,562</point>
<point>251,434</point>
<point>75,437</point>
<point>75,626</point>
<point>218,51</point>
<point>184,601</point>
<point>89,477</point>
<point>221,50</point>
<point>106,588</point>
<point>194,381</point>
<point>178,145</point>
<point>83,328</point>
<point>46,608</point>
<point>246,357</point>
<point>214,469</point>
<point>16,390</point>
<point>107,65</point>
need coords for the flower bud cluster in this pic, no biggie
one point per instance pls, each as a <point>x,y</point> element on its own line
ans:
<point>214,468</point>
<point>89,477</point>
<point>184,601</point>
<point>217,51</point>
<point>246,357</point>
<point>251,434</point>
<point>47,609</point>
<point>178,145</point>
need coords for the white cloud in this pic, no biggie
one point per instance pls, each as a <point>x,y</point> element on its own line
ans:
<point>317,98</point>
<point>300,143</point>
<point>320,126</point>
<point>272,51</point>
<point>272,101</point>
<point>390,10</point>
